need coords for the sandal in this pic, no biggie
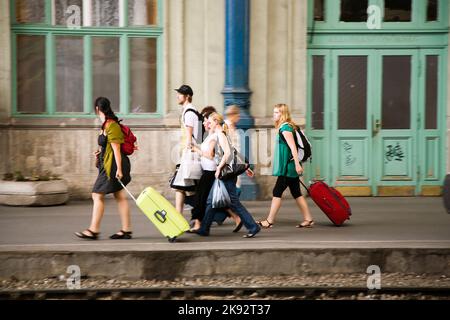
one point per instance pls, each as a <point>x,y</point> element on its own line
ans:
<point>238,227</point>
<point>305,224</point>
<point>83,235</point>
<point>265,226</point>
<point>122,235</point>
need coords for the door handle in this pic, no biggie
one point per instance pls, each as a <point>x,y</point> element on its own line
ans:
<point>376,126</point>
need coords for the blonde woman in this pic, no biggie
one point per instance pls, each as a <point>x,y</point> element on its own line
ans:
<point>209,166</point>
<point>215,121</point>
<point>287,168</point>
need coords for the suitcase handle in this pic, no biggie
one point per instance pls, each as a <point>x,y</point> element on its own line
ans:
<point>307,189</point>
<point>126,189</point>
<point>161,216</point>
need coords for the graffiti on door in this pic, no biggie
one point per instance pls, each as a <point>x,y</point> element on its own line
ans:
<point>349,158</point>
<point>394,153</point>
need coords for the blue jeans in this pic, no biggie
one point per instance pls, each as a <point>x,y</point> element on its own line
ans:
<point>236,206</point>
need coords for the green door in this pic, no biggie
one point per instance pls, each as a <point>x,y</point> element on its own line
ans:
<point>394,123</point>
<point>370,120</point>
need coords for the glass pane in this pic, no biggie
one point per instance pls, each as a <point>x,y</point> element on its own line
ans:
<point>142,12</point>
<point>319,10</point>
<point>69,12</point>
<point>396,92</point>
<point>354,10</point>
<point>30,11</point>
<point>143,75</point>
<point>432,10</point>
<point>69,74</point>
<point>397,10</point>
<point>105,13</point>
<point>106,69</point>
<point>431,99</point>
<point>352,92</point>
<point>318,92</point>
<point>31,74</point>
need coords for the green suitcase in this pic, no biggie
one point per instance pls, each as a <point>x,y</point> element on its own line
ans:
<point>162,213</point>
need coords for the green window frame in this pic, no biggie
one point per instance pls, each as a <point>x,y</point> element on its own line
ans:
<point>123,33</point>
<point>418,23</point>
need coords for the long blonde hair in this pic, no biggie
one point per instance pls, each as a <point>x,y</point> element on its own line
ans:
<point>285,116</point>
<point>217,117</point>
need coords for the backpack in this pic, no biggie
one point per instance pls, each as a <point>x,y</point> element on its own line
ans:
<point>200,127</point>
<point>128,145</point>
<point>304,148</point>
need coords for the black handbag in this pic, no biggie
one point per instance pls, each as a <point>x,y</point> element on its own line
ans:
<point>236,165</point>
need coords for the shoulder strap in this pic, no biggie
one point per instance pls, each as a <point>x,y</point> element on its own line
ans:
<point>199,117</point>
<point>294,134</point>
<point>192,110</point>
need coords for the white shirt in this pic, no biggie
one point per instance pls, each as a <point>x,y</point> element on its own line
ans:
<point>208,164</point>
<point>190,119</point>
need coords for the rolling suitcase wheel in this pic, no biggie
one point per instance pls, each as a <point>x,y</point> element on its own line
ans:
<point>172,240</point>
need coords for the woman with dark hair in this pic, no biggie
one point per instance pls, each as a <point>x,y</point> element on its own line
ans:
<point>113,165</point>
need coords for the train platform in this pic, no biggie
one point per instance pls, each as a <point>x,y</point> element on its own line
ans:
<point>405,235</point>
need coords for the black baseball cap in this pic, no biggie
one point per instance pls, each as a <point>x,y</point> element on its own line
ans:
<point>186,90</point>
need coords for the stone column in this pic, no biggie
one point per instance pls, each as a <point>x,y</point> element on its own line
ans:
<point>236,90</point>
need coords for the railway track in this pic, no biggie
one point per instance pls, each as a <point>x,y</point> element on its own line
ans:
<point>192,293</point>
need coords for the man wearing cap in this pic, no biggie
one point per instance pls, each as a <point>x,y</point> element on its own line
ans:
<point>190,127</point>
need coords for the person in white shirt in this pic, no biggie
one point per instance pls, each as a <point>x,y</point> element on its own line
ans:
<point>209,166</point>
<point>190,123</point>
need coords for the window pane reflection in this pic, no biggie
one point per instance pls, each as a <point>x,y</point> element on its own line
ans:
<point>30,11</point>
<point>397,10</point>
<point>319,10</point>
<point>106,69</point>
<point>142,12</point>
<point>143,75</point>
<point>354,10</point>
<point>396,113</point>
<point>431,98</point>
<point>69,74</point>
<point>352,92</point>
<point>30,74</point>
<point>105,13</point>
<point>318,87</point>
<point>432,10</point>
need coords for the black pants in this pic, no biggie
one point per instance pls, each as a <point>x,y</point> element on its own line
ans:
<point>283,183</point>
<point>201,194</point>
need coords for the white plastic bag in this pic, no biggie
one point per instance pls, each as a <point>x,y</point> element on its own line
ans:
<point>177,181</point>
<point>220,197</point>
<point>191,167</point>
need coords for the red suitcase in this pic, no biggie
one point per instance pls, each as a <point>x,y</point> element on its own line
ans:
<point>331,201</point>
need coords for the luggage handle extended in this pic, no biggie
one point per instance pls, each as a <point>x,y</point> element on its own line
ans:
<point>307,189</point>
<point>126,189</point>
<point>325,200</point>
<point>160,215</point>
